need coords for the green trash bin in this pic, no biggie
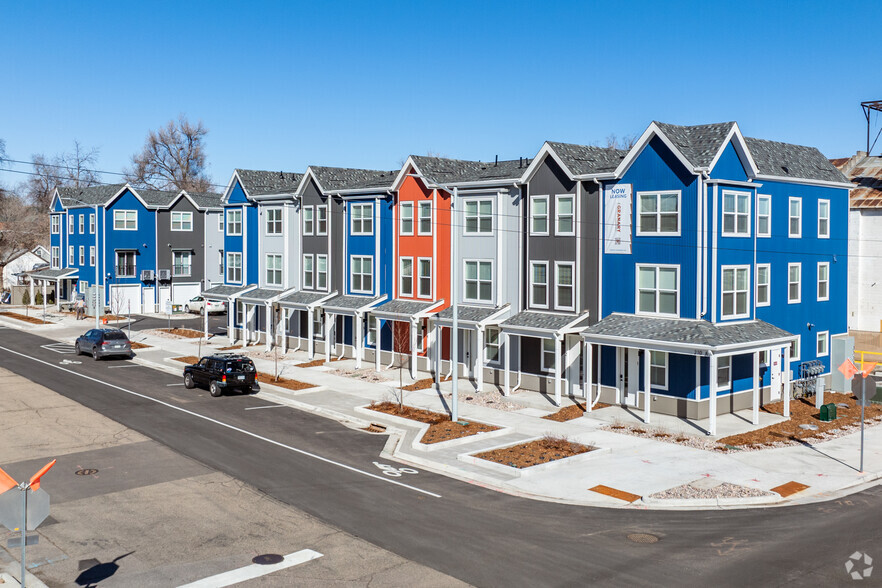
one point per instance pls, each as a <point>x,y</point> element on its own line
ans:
<point>828,412</point>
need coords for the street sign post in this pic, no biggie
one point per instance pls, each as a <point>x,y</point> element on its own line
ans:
<point>849,370</point>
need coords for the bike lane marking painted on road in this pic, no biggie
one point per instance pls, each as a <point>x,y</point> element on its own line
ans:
<point>253,571</point>
<point>227,425</point>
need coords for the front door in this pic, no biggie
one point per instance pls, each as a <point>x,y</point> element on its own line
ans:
<point>629,375</point>
<point>775,374</point>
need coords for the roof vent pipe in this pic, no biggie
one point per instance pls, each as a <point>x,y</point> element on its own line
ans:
<point>497,160</point>
<point>520,162</point>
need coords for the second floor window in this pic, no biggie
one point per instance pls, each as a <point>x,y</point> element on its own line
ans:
<point>361,274</point>
<point>125,264</point>
<point>274,221</point>
<point>70,256</point>
<point>478,217</point>
<point>274,269</point>
<point>92,255</point>
<point>539,215</point>
<point>82,224</point>
<point>405,277</point>
<point>479,281</point>
<point>657,290</point>
<point>308,220</point>
<point>92,223</point>
<point>125,220</point>
<point>659,213</point>
<point>321,272</point>
<point>181,263</point>
<point>182,221</point>
<point>794,283</point>
<point>563,293</point>
<point>823,219</point>
<point>406,220</point>
<point>794,227</point>
<point>308,272</point>
<point>321,219</point>
<point>539,284</point>
<point>234,267</point>
<point>736,290</point>
<point>362,219</point>
<point>425,218</point>
<point>763,275</point>
<point>82,254</point>
<point>763,215</point>
<point>56,258</point>
<point>234,222</point>
<point>56,224</point>
<point>220,262</point>
<point>566,215</point>
<point>70,224</point>
<point>424,268</point>
<point>823,280</point>
<point>736,214</point>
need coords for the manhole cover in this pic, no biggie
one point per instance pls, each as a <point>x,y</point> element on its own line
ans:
<point>642,538</point>
<point>267,559</point>
<point>86,472</point>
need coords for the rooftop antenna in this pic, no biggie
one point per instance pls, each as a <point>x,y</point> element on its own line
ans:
<point>867,107</point>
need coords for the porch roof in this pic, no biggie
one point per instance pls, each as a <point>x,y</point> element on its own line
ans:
<point>471,316</point>
<point>261,295</point>
<point>700,337</point>
<point>53,275</point>
<point>532,323</point>
<point>351,305</point>
<point>305,299</point>
<point>224,292</point>
<point>404,310</point>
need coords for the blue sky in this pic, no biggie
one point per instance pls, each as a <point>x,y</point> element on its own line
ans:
<point>282,85</point>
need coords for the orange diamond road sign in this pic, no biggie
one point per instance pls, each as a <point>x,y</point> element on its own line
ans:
<point>868,369</point>
<point>848,369</point>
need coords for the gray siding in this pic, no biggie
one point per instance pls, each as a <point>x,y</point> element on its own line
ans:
<point>333,243</point>
<point>214,245</point>
<point>193,241</point>
<point>269,243</point>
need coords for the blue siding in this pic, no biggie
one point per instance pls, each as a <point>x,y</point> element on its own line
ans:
<point>247,243</point>
<point>730,250</point>
<point>142,240</point>
<point>729,166</point>
<point>250,259</point>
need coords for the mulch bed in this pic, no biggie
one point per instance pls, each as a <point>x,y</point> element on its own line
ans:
<point>803,411</point>
<point>441,427</point>
<point>188,359</point>
<point>569,413</point>
<point>314,363</point>
<point>27,319</point>
<point>423,384</point>
<point>535,452</point>
<point>139,345</point>
<point>186,333</point>
<point>229,348</point>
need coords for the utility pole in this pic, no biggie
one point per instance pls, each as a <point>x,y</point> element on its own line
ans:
<point>454,281</point>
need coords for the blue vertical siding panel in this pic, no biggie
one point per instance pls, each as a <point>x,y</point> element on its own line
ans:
<point>252,252</point>
<point>143,240</point>
<point>729,166</point>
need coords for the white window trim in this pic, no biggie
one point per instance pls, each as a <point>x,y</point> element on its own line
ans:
<point>311,220</point>
<point>267,222</point>
<point>361,206</point>
<point>230,223</point>
<point>182,215</point>
<point>352,259</point>
<point>311,258</point>
<point>533,200</point>
<point>230,266</point>
<point>478,231</point>
<point>798,349</point>
<point>820,235</point>
<point>82,286</point>
<point>727,385</point>
<point>92,225</point>
<point>488,345</point>
<point>533,303</point>
<point>116,266</point>
<point>70,255</point>
<point>768,267</point>
<point>401,292</point>
<point>92,255</point>
<point>557,266</point>
<point>267,269</point>
<point>70,224</point>
<point>55,225</point>
<point>56,257</point>
<point>82,253</point>
<point>418,276</point>
<point>220,223</point>
<point>826,336</point>
<point>799,283</point>
<point>723,214</point>
<point>657,194</point>
<point>125,221</point>
<point>370,330</point>
<point>666,366</point>
<point>327,272</point>
<point>82,224</point>
<point>557,199</point>
<point>401,207</point>
<point>767,197</point>
<point>478,280</point>
<point>817,290</point>
<point>637,289</point>
<point>189,265</point>
<point>421,205</point>
<point>735,315</point>
<point>790,234</point>
<point>542,366</point>
<point>318,232</point>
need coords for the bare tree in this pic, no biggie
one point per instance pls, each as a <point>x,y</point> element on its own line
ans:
<point>21,227</point>
<point>75,168</point>
<point>625,142</point>
<point>172,157</point>
<point>401,345</point>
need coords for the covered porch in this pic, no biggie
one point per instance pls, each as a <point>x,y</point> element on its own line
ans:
<point>302,311</point>
<point>478,343</point>
<point>259,315</point>
<point>411,313</point>
<point>228,295</point>
<point>352,309</point>
<point>64,280</point>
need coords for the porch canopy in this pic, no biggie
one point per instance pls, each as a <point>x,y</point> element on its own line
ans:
<point>227,294</point>
<point>409,311</point>
<point>691,337</point>
<point>54,275</point>
<point>260,297</point>
<point>354,306</point>
<point>475,318</point>
<point>543,325</point>
<point>307,301</point>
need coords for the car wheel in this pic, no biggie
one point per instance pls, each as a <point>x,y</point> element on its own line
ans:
<point>214,389</point>
<point>77,348</point>
<point>186,308</point>
<point>202,311</point>
<point>95,354</point>
<point>188,382</point>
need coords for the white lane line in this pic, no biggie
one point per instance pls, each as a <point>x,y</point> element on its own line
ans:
<point>181,384</point>
<point>254,571</point>
<point>228,426</point>
<point>267,406</point>
<point>122,366</point>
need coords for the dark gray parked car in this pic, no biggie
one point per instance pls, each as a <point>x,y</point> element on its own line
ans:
<point>104,343</point>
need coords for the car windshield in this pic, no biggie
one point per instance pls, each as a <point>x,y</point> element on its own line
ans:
<point>240,365</point>
<point>114,336</point>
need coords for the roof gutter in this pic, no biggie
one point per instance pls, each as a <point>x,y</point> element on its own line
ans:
<point>824,183</point>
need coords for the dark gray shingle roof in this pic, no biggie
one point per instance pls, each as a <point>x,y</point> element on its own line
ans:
<point>442,170</point>
<point>699,143</point>
<point>348,303</point>
<point>90,195</point>
<point>223,292</point>
<point>261,294</point>
<point>588,159</point>
<point>402,308</point>
<point>698,333</point>
<point>773,158</point>
<point>468,314</point>
<point>541,321</point>
<point>206,199</point>
<point>157,197</point>
<point>333,179</point>
<point>265,183</point>
<point>302,298</point>
<point>51,274</point>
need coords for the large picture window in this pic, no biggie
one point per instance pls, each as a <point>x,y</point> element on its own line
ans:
<point>736,214</point>
<point>181,221</point>
<point>273,269</point>
<point>234,267</point>
<point>361,274</point>
<point>736,292</point>
<point>658,290</point>
<point>234,222</point>
<point>479,281</point>
<point>478,217</point>
<point>658,213</point>
<point>362,219</point>
<point>125,220</point>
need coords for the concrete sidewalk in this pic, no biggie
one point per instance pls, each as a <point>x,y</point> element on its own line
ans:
<point>633,465</point>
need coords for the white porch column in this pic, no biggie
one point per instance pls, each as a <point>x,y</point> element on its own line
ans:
<point>413,348</point>
<point>329,319</point>
<point>268,325</point>
<point>377,346</point>
<point>647,384</point>
<point>43,286</point>
<point>754,417</point>
<point>785,374</point>
<point>506,363</point>
<point>231,321</point>
<point>204,317</point>
<point>310,342</point>
<point>31,287</point>
<point>479,359</point>
<point>557,369</point>
<point>587,353</point>
<point>245,321</point>
<point>436,349</point>
<point>712,392</point>
<point>358,339</point>
<point>285,327</point>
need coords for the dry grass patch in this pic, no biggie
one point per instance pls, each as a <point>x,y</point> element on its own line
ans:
<point>182,332</point>
<point>136,345</point>
<point>423,384</point>
<point>188,359</point>
<point>27,319</point>
<point>282,382</point>
<point>536,452</point>
<point>441,428</point>
<point>574,411</point>
<point>315,363</point>
<point>230,348</point>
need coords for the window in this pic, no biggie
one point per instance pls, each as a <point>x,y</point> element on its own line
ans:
<point>479,217</point>
<point>479,281</point>
<point>659,213</point>
<point>220,261</point>
<point>764,357</point>
<point>125,264</point>
<point>563,292</point>
<point>362,219</point>
<point>658,369</point>
<point>56,224</point>
<point>234,222</point>
<point>763,215</point>
<point>70,224</point>
<point>321,272</point>
<point>794,279</point>
<point>70,255</point>
<point>405,279</point>
<point>92,223</point>
<point>763,275</point>
<point>795,218</point>
<point>371,330</point>
<point>823,219</point>
<point>823,281</point>
<point>56,257</point>
<point>308,272</point>
<point>548,355</point>
<point>181,263</point>
<point>274,269</point>
<point>823,344</point>
<point>83,286</point>
<point>234,267</point>
<point>321,218</point>
<point>406,221</point>
<point>736,214</point>
<point>736,297</point>
<point>361,274</point>
<point>273,221</point>
<point>308,220</point>
<point>220,223</point>
<point>794,348</point>
<point>657,290</point>
<point>82,254</point>
<point>181,221</point>
<point>424,275</point>
<point>424,211</point>
<point>539,215</point>
<point>125,220</point>
<point>491,344</point>
<point>92,255</point>
<point>421,337</point>
<point>318,323</point>
<point>82,229</point>
<point>565,216</point>
<point>539,284</point>
<point>724,372</point>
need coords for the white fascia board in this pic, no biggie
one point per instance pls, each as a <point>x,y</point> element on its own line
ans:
<point>229,189</point>
<point>322,300</point>
<point>570,327</point>
<point>540,159</point>
<point>736,183</point>
<point>304,181</point>
<point>823,183</point>
<point>263,198</point>
<point>135,193</point>
<point>500,312</point>
<point>652,131</point>
<point>428,310</point>
<point>399,179</point>
<point>740,148</point>
<point>501,184</point>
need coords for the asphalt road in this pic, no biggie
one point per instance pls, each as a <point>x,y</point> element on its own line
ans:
<point>479,536</point>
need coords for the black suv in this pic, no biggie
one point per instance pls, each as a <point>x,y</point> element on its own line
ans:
<point>103,343</point>
<point>222,371</point>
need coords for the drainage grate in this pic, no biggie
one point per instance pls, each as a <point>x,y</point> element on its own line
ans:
<point>267,559</point>
<point>642,538</point>
<point>86,472</point>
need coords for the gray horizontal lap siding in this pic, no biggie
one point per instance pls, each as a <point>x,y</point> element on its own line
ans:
<point>332,244</point>
<point>193,241</point>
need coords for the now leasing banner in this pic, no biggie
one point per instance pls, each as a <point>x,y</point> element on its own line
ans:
<point>617,219</point>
